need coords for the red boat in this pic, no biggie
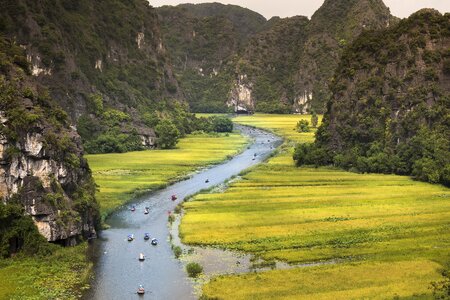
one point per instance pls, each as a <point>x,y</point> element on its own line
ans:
<point>174,198</point>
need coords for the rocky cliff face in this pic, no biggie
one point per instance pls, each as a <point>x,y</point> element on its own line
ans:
<point>41,163</point>
<point>287,62</point>
<point>82,49</point>
<point>390,101</point>
<point>203,41</point>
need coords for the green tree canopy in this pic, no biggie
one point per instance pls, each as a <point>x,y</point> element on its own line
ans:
<point>167,133</point>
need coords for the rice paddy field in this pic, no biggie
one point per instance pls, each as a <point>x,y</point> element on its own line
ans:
<point>122,176</point>
<point>283,125</point>
<point>346,235</point>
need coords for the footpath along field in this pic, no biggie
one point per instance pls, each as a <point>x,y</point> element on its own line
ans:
<point>122,176</point>
<point>373,236</point>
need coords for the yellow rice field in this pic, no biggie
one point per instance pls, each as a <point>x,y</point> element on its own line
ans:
<point>122,176</point>
<point>380,236</point>
<point>283,125</point>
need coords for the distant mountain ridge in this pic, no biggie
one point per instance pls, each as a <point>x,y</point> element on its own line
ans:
<point>277,65</point>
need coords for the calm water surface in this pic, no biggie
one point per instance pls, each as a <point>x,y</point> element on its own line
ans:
<point>118,272</point>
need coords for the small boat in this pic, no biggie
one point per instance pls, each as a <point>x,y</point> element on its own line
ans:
<point>133,208</point>
<point>174,197</point>
<point>154,242</point>
<point>146,236</point>
<point>141,257</point>
<point>141,290</point>
<point>130,237</point>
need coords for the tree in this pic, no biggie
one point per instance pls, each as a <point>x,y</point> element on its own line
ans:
<point>222,124</point>
<point>167,134</point>
<point>314,119</point>
<point>194,269</point>
<point>303,126</point>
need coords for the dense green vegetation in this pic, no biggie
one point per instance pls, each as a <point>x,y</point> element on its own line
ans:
<point>372,236</point>
<point>121,177</point>
<point>30,267</point>
<point>63,274</point>
<point>393,118</point>
<point>212,45</point>
<point>89,52</point>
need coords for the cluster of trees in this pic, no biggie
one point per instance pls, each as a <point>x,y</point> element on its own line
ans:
<point>168,134</point>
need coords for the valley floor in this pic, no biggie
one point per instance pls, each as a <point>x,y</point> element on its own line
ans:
<point>123,176</point>
<point>120,177</point>
<point>371,235</point>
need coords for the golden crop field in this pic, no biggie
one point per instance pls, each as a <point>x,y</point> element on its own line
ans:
<point>380,236</point>
<point>121,176</point>
<point>283,125</point>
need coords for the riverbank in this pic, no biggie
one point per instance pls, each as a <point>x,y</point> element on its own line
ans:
<point>65,274</point>
<point>385,232</point>
<point>123,177</point>
<point>161,274</point>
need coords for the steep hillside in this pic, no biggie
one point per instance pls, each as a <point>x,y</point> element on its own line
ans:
<point>332,27</point>
<point>230,54</point>
<point>103,61</point>
<point>203,40</point>
<point>390,104</point>
<point>264,78</point>
<point>246,22</point>
<point>42,172</point>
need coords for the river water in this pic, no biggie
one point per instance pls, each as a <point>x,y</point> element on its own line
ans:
<point>118,272</point>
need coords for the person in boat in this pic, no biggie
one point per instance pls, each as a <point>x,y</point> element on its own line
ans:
<point>146,236</point>
<point>207,180</point>
<point>141,256</point>
<point>154,242</point>
<point>133,208</point>
<point>146,211</point>
<point>174,197</point>
<point>130,237</point>
<point>141,290</point>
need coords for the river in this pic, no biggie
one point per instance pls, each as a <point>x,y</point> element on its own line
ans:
<point>117,270</point>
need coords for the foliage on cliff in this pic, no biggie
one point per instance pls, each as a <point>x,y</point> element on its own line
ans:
<point>389,112</point>
<point>202,40</point>
<point>109,49</point>
<point>334,25</point>
<point>42,169</point>
<point>288,61</point>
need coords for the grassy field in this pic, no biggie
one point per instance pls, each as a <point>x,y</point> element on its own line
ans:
<point>122,176</point>
<point>283,125</point>
<point>207,115</point>
<point>381,235</point>
<point>62,275</point>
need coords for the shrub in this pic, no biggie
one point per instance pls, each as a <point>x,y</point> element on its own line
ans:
<point>194,269</point>
<point>314,119</point>
<point>222,124</point>
<point>303,126</point>
<point>177,251</point>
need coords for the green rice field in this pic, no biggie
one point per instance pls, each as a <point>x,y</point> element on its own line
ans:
<point>62,275</point>
<point>368,236</point>
<point>122,176</point>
